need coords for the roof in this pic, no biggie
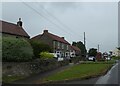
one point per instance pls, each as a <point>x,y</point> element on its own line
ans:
<point>52,36</point>
<point>13,29</point>
<point>75,48</point>
<point>57,38</point>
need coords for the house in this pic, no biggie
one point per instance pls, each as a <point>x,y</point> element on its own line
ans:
<point>59,44</point>
<point>99,56</point>
<point>74,51</point>
<point>14,30</point>
<point>116,52</point>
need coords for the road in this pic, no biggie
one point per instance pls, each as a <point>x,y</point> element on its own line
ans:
<point>111,77</point>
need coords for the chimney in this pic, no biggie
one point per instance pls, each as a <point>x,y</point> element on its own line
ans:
<point>62,37</point>
<point>45,31</point>
<point>19,23</point>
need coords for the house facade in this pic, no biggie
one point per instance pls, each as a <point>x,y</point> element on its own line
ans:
<point>74,51</point>
<point>60,46</point>
<point>13,30</point>
<point>116,52</point>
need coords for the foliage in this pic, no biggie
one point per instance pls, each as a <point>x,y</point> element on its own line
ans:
<point>46,55</point>
<point>39,47</point>
<point>116,57</point>
<point>118,48</point>
<point>81,46</point>
<point>75,59</point>
<point>9,79</point>
<point>16,49</point>
<point>92,52</point>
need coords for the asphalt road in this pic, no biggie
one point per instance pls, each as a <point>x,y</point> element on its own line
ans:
<point>111,77</point>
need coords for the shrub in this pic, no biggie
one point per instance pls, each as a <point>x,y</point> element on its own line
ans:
<point>39,47</point>
<point>46,55</point>
<point>16,49</point>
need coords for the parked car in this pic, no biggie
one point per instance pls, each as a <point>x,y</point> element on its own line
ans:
<point>91,58</point>
<point>107,58</point>
<point>60,59</point>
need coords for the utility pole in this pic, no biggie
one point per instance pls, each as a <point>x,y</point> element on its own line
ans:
<point>84,39</point>
<point>98,47</point>
<point>84,44</point>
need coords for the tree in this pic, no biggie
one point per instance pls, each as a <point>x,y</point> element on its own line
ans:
<point>92,52</point>
<point>81,46</point>
<point>39,47</point>
<point>118,48</point>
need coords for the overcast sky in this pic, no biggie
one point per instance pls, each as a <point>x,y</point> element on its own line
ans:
<point>99,20</point>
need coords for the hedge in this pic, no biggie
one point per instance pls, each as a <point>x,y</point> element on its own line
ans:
<point>46,55</point>
<point>16,49</point>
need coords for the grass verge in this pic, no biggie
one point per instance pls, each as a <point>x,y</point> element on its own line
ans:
<point>80,71</point>
<point>9,79</point>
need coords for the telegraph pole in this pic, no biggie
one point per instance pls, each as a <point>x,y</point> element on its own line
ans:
<point>98,47</point>
<point>84,44</point>
<point>84,39</point>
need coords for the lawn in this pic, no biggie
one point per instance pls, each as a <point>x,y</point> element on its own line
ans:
<point>80,71</point>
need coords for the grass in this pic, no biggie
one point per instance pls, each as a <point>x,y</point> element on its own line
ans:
<point>81,71</point>
<point>9,79</point>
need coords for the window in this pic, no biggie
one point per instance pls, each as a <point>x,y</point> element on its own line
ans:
<point>67,47</point>
<point>53,44</point>
<point>62,46</point>
<point>58,44</point>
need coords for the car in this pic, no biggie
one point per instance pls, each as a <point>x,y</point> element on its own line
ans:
<point>107,58</point>
<point>91,58</point>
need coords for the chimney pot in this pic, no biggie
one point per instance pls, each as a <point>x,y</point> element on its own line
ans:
<point>45,31</point>
<point>62,37</point>
<point>19,23</point>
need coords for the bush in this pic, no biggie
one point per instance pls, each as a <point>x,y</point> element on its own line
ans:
<point>116,57</point>
<point>16,49</point>
<point>75,59</point>
<point>39,47</point>
<point>46,55</point>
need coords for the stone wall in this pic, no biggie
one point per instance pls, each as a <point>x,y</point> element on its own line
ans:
<point>28,68</point>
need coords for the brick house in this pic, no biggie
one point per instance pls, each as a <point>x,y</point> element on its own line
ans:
<point>59,44</point>
<point>74,51</point>
<point>13,30</point>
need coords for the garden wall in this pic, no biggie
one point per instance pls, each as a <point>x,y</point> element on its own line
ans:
<point>28,68</point>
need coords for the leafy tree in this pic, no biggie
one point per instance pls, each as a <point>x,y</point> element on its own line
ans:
<point>92,52</point>
<point>118,48</point>
<point>81,46</point>
<point>39,47</point>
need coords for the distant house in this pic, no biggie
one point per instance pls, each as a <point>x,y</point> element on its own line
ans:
<point>59,44</point>
<point>14,30</point>
<point>116,52</point>
<point>99,56</point>
<point>74,51</point>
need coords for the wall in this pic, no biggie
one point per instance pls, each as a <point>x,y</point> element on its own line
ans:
<point>28,68</point>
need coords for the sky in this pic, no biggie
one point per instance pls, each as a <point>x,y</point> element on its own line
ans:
<point>99,20</point>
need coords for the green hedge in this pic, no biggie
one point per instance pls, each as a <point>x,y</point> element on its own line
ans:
<point>39,47</point>
<point>16,49</point>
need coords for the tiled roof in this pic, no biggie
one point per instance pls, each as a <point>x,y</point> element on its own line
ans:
<point>14,29</point>
<point>57,38</point>
<point>52,36</point>
<point>75,48</point>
